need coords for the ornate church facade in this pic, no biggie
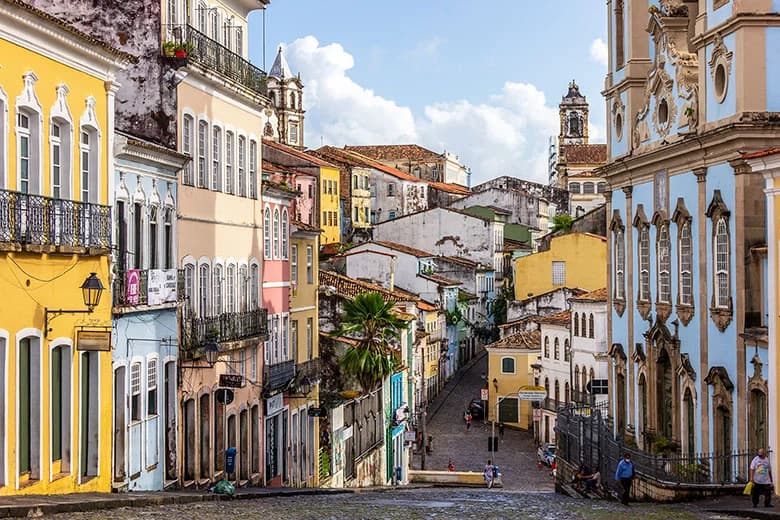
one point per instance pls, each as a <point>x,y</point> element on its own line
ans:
<point>689,90</point>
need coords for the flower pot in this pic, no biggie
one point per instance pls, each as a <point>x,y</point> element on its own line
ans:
<point>180,54</point>
<point>169,53</point>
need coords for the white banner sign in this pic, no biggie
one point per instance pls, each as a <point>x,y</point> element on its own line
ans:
<point>161,286</point>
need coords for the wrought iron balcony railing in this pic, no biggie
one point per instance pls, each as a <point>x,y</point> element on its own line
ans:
<point>225,327</point>
<point>211,54</point>
<point>27,219</point>
<point>583,398</point>
<point>278,375</point>
<point>148,287</point>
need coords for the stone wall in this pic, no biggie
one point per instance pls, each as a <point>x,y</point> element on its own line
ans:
<point>554,195</point>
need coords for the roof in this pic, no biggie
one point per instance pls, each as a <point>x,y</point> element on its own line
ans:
<point>268,166</point>
<point>349,288</point>
<point>427,306</point>
<point>87,38</point>
<point>439,279</point>
<point>559,318</point>
<point>515,322</point>
<point>280,187</point>
<point>405,316</point>
<point>355,159</point>
<point>762,153</point>
<point>465,296</point>
<point>524,340</point>
<point>449,187</point>
<point>342,339</point>
<point>585,153</point>
<point>575,290</point>
<point>599,295</point>
<point>403,249</point>
<point>280,69</point>
<point>586,173</point>
<point>302,226</point>
<point>460,261</point>
<point>389,152</point>
<point>331,249</point>
<point>297,153</point>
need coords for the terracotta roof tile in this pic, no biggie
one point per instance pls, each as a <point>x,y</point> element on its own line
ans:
<point>524,340</point>
<point>762,153</point>
<point>584,153</point>
<point>342,339</point>
<point>599,295</point>
<point>297,153</point>
<point>347,287</point>
<point>403,249</point>
<point>302,226</point>
<point>439,279</point>
<point>575,290</point>
<point>559,318</point>
<point>465,262</point>
<point>389,152</point>
<point>427,306</point>
<point>449,187</point>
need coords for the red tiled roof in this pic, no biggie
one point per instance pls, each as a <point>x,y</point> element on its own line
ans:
<point>459,260</point>
<point>524,340</point>
<point>283,188</point>
<point>297,153</point>
<point>762,153</point>
<point>427,306</point>
<point>584,153</point>
<point>331,249</point>
<point>439,279</point>
<point>356,159</point>
<point>347,287</point>
<point>305,227</point>
<point>599,295</point>
<point>449,187</point>
<point>268,166</point>
<point>559,318</point>
<point>404,249</point>
<point>389,152</point>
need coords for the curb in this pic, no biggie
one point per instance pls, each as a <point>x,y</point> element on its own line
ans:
<point>757,513</point>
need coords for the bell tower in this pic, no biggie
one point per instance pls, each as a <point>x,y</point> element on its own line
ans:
<point>286,93</point>
<point>574,117</point>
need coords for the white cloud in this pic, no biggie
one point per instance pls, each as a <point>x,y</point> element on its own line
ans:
<point>505,134</point>
<point>428,48</point>
<point>598,52</point>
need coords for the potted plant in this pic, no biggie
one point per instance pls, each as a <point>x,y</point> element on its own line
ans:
<point>183,49</point>
<point>169,49</point>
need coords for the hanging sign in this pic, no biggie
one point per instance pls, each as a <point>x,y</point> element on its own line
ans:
<point>161,286</point>
<point>95,340</point>
<point>133,287</point>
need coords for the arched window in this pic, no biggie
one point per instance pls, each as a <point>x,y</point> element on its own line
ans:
<point>189,288</point>
<point>229,179</point>
<point>230,282</point>
<point>254,287</point>
<point>547,386</point>
<point>187,147</point>
<point>664,265</point>
<point>584,325</point>
<point>168,237</point>
<point>276,232</point>
<point>216,159</point>
<point>584,379</point>
<point>566,353</point>
<point>576,381</point>
<point>204,285</point>
<point>243,288</point>
<point>574,187</point>
<point>620,265</point>
<point>556,349</point>
<point>588,188</point>
<point>722,254</point>
<point>267,233</point>
<point>576,324</point>
<point>547,347</point>
<point>154,239</point>
<point>644,263</point>
<point>557,391</point>
<point>242,166</point>
<point>591,326</point>
<point>285,234</point>
<point>591,375</point>
<point>566,392</point>
<point>217,290</point>
<point>686,265</point>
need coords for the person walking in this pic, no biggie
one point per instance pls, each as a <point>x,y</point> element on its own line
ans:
<point>761,476</point>
<point>488,473</point>
<point>450,466</point>
<point>468,421</point>
<point>624,473</point>
<point>501,430</point>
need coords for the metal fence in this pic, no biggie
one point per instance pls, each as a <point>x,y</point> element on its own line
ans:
<point>228,326</point>
<point>585,437</point>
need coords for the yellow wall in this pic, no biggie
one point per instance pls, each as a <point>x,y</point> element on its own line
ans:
<point>509,384</point>
<point>431,368</point>
<point>773,371</point>
<point>586,265</point>
<point>31,281</point>
<point>329,202</point>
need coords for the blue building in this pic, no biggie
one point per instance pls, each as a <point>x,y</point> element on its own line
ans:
<point>687,328</point>
<point>146,293</point>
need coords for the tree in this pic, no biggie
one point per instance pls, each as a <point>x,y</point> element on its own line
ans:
<point>369,320</point>
<point>562,223</point>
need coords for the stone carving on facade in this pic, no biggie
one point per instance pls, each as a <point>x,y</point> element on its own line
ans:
<point>619,117</point>
<point>721,57</point>
<point>722,387</point>
<point>757,381</point>
<point>686,369</point>
<point>617,353</point>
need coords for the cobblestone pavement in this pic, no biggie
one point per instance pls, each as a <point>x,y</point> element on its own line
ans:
<point>405,504</point>
<point>516,455</point>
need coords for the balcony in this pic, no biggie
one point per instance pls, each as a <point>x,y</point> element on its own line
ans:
<point>226,327</point>
<point>278,376</point>
<point>132,288</point>
<point>583,398</point>
<point>216,57</point>
<point>38,223</point>
<point>551,405</point>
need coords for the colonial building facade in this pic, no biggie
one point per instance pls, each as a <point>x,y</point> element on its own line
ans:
<point>685,215</point>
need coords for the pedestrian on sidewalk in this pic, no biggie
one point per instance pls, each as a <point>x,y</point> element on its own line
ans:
<point>501,430</point>
<point>429,445</point>
<point>625,475</point>
<point>761,476</point>
<point>488,473</point>
<point>450,466</point>
<point>468,421</point>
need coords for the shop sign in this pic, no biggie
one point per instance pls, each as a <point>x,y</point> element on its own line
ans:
<point>274,404</point>
<point>93,340</point>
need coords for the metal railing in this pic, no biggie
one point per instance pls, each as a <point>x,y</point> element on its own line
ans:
<point>131,289</point>
<point>211,54</point>
<point>27,219</point>
<point>581,398</point>
<point>278,376</point>
<point>228,326</point>
<point>551,405</point>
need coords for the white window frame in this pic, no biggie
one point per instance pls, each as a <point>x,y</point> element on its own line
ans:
<point>152,378</point>
<point>559,274</point>
<point>187,136</point>
<point>254,285</point>
<point>230,288</point>
<point>204,289</point>
<point>664,259</point>
<point>275,231</point>
<point>285,234</point>
<point>216,158</point>
<point>230,142</point>
<point>514,365</point>
<point>643,257</point>
<point>620,265</point>
<point>685,248</point>
<point>217,289</point>
<point>309,265</point>
<point>294,264</point>
<point>253,169</point>
<point>135,380</point>
<point>241,166</point>
<point>721,264</point>
<point>267,232</point>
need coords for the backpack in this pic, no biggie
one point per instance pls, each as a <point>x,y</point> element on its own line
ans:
<point>495,471</point>
<point>223,487</point>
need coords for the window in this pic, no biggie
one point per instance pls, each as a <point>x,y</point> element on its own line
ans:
<point>216,150</point>
<point>664,265</point>
<point>217,290</point>
<point>240,41</point>
<point>294,339</point>
<point>285,234</point>
<point>203,131</point>
<point>547,347</point>
<point>25,152</point>
<point>309,265</point>
<point>276,232</point>
<point>60,405</point>
<point>294,264</point>
<point>644,263</point>
<point>576,382</point>
<point>574,187</point>
<point>189,287</point>
<point>601,187</point>
<point>508,365</point>
<point>253,364</point>
<point>686,265</point>
<point>588,188</point>
<point>254,287</point>
<point>202,10</point>
<point>267,233</point>
<point>214,23</point>
<point>576,323</point>
<point>243,288</point>
<point>151,387</point>
<point>293,132</point>
<point>309,338</point>
<point>354,181</point>
<point>242,166</point>
<point>620,256</point>
<point>285,338</point>
<point>58,160</point>
<point>186,147</point>
<point>722,253</point>
<point>172,15</point>
<point>584,325</point>
<point>84,149</point>
<point>153,239</point>
<point>557,391</point>
<point>253,169</point>
<point>135,392</point>
<point>229,179</point>
<point>230,282</point>
<point>203,290</point>
<point>619,35</point>
<point>169,260</point>
<point>391,215</point>
<point>391,190</point>
<point>556,349</point>
<point>566,353</point>
<point>138,221</point>
<point>559,273</point>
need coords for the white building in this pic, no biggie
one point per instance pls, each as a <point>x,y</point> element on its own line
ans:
<point>589,361</point>
<point>554,375</point>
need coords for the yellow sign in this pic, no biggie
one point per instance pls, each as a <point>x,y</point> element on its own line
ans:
<point>532,388</point>
<point>97,340</point>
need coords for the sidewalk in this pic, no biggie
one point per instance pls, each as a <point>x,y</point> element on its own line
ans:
<point>741,506</point>
<point>38,505</point>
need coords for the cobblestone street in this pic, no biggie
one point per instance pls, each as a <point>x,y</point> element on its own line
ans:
<point>404,504</point>
<point>516,455</point>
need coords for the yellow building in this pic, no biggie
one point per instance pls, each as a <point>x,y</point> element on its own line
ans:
<point>330,207</point>
<point>304,337</point>
<point>435,328</point>
<point>57,90</point>
<point>573,260</point>
<point>509,369</point>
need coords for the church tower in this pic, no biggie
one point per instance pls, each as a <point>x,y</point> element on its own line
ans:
<point>286,93</point>
<point>574,117</point>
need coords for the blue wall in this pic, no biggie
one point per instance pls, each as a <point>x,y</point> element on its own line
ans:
<point>719,15</point>
<point>773,65</point>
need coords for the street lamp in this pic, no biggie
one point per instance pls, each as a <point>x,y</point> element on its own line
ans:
<point>91,291</point>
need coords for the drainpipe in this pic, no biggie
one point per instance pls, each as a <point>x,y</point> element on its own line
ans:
<point>392,273</point>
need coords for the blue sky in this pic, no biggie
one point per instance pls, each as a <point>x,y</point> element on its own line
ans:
<point>480,79</point>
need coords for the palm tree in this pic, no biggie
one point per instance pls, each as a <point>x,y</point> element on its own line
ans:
<point>371,321</point>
